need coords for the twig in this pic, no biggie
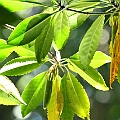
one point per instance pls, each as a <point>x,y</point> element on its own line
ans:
<point>91,13</point>
<point>54,58</point>
<point>9,27</point>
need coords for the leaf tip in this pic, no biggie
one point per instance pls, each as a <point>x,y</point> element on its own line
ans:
<point>101,87</point>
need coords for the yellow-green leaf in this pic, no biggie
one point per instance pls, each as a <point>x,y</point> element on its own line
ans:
<point>90,42</point>
<point>5,49</point>
<point>20,66</point>
<point>61,29</point>
<point>99,59</point>
<point>92,76</point>
<point>14,5</point>
<point>77,97</point>
<point>9,94</point>
<point>55,105</point>
<point>33,93</point>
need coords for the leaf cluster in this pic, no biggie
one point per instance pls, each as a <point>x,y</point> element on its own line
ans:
<point>32,39</point>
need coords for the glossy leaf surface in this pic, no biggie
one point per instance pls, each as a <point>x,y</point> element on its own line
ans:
<point>76,19</point>
<point>55,105</point>
<point>61,29</point>
<point>98,60</point>
<point>9,94</point>
<point>19,50</point>
<point>33,93</point>
<point>90,42</point>
<point>20,66</point>
<point>5,50</point>
<point>44,41</point>
<point>28,30</point>
<point>77,97</point>
<point>90,75</point>
<point>83,5</point>
<point>16,5</point>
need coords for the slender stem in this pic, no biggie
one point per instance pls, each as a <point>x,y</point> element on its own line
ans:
<point>91,13</point>
<point>54,58</point>
<point>9,27</point>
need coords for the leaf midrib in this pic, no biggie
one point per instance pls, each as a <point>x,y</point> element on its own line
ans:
<point>77,95</point>
<point>92,40</point>
<point>36,91</point>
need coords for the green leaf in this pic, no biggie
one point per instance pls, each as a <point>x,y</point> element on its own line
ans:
<point>21,51</point>
<point>9,94</point>
<point>30,46</point>
<point>61,29</point>
<point>35,2</point>
<point>98,60</point>
<point>92,76</point>
<point>5,50</point>
<point>44,41</point>
<point>77,97</point>
<point>55,105</point>
<point>3,44</point>
<point>77,19</point>
<point>28,30</point>
<point>33,93</point>
<point>75,56</point>
<point>68,1</point>
<point>48,91</point>
<point>90,42</point>
<point>14,5</point>
<point>28,0</point>
<point>83,5</point>
<point>20,66</point>
<point>67,113</point>
<point>54,2</point>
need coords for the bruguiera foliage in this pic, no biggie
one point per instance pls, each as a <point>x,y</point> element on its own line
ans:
<point>32,39</point>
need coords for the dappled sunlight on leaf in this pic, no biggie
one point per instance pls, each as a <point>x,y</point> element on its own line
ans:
<point>9,94</point>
